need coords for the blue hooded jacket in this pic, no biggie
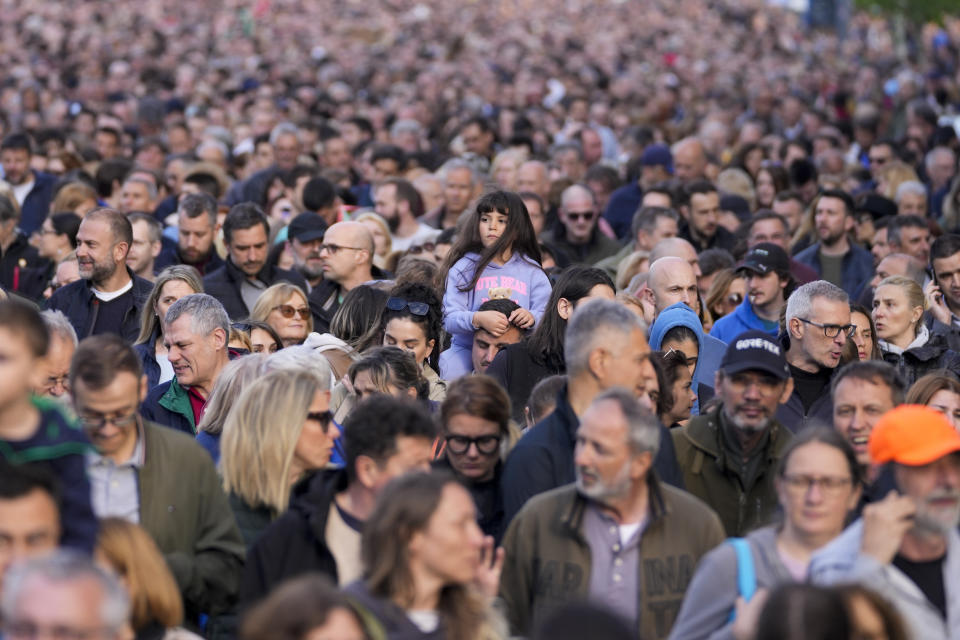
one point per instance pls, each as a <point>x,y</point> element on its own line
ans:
<point>711,349</point>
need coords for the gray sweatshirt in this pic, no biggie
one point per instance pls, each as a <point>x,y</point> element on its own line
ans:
<point>713,592</point>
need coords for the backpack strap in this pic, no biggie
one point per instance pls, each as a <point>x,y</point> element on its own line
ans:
<point>746,572</point>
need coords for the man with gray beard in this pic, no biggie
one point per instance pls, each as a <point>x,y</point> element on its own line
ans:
<point>906,547</point>
<point>601,538</point>
<point>729,455</point>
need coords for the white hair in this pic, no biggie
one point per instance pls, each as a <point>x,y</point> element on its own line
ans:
<point>800,302</point>
<point>910,186</point>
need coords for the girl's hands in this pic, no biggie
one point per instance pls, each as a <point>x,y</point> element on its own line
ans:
<point>493,322</point>
<point>522,318</point>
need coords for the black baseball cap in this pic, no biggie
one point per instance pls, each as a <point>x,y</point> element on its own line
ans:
<point>764,258</point>
<point>755,351</point>
<point>306,227</point>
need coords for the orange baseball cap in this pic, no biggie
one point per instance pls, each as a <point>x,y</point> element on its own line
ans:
<point>914,435</point>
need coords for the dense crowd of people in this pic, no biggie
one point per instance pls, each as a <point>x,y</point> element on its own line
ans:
<point>476,321</point>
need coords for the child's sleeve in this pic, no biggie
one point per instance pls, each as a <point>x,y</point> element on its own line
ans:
<point>457,314</point>
<point>540,291</point>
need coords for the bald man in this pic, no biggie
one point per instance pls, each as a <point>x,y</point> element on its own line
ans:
<point>689,160</point>
<point>347,259</point>
<point>676,248</point>
<point>669,281</point>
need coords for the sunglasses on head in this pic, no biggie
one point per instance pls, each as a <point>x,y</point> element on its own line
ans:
<point>416,308</point>
<point>288,311</point>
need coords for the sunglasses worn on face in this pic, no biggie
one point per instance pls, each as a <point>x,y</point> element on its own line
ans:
<point>287,311</point>
<point>487,445</point>
<point>420,248</point>
<point>416,308</point>
<point>323,417</point>
<point>587,216</point>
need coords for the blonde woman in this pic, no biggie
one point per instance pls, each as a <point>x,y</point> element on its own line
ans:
<point>905,342</point>
<point>284,307</point>
<point>505,167</point>
<point>234,378</point>
<point>280,429</point>
<point>171,284</point>
<point>156,607</point>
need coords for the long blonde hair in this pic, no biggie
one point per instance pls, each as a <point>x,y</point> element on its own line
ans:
<point>234,377</point>
<point>148,317</point>
<point>132,553</point>
<point>260,435</point>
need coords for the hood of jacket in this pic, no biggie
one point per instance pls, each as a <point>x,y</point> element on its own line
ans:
<point>678,314</point>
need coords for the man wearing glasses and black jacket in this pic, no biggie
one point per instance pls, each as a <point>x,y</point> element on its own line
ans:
<point>817,328</point>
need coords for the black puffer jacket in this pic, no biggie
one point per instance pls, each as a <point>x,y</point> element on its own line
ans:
<point>916,362</point>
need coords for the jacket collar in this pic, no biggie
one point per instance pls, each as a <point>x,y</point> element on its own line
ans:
<point>704,433</point>
<point>565,414</point>
<point>571,514</point>
<point>235,274</point>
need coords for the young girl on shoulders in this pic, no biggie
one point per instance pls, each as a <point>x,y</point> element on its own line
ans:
<point>494,256</point>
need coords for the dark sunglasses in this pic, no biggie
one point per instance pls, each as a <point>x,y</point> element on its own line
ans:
<point>323,417</point>
<point>459,445</point>
<point>245,327</point>
<point>735,298</point>
<point>587,216</point>
<point>420,248</point>
<point>288,311</point>
<point>416,308</point>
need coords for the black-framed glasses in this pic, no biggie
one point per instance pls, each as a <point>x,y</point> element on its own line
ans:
<point>416,308</point>
<point>832,330</point>
<point>96,422</point>
<point>288,311</point>
<point>323,417</point>
<point>487,445</point>
<point>332,249</point>
<point>587,216</point>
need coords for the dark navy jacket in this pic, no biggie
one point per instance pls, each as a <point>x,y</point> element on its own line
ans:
<point>80,305</point>
<point>169,405</point>
<point>36,205</point>
<point>224,285</point>
<point>543,458</point>
<point>60,446</point>
<point>146,351</point>
<point>857,266</point>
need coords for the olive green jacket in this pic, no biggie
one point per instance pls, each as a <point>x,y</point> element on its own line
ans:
<point>708,475</point>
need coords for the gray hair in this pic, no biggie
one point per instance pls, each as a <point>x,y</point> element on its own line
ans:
<point>300,358</point>
<point>206,314</point>
<point>800,302</point>
<point>591,325</point>
<point>151,187</point>
<point>215,144</point>
<point>407,125</point>
<point>643,428</point>
<point>58,325</point>
<point>459,163</point>
<point>933,153</point>
<point>67,566</point>
<point>910,186</point>
<point>282,129</point>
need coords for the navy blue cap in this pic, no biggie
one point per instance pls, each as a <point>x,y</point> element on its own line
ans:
<point>755,351</point>
<point>657,155</point>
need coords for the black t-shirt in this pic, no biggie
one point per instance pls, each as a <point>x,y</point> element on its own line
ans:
<point>110,314</point>
<point>929,577</point>
<point>810,386</point>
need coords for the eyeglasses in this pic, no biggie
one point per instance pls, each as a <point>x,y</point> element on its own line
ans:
<point>801,484</point>
<point>332,249</point>
<point>735,298</point>
<point>586,216</point>
<point>832,330</point>
<point>416,308</point>
<point>323,417</point>
<point>96,422</point>
<point>459,445</point>
<point>420,248</point>
<point>288,311</point>
<point>878,160</point>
